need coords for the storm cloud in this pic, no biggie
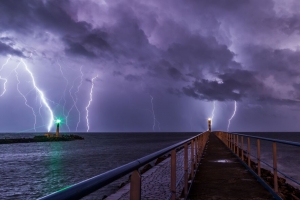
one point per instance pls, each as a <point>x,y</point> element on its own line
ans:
<point>184,54</point>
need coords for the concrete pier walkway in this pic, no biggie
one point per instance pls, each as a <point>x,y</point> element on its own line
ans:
<point>221,176</point>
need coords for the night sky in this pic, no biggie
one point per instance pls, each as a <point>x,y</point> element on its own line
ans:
<point>151,65</point>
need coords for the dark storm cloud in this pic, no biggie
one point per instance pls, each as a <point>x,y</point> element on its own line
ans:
<point>174,73</point>
<point>77,48</point>
<point>23,16</point>
<point>175,91</point>
<point>197,51</point>
<point>117,73</point>
<point>296,86</point>
<point>131,77</point>
<point>283,64</point>
<point>8,50</point>
<point>235,85</point>
<point>278,101</point>
<point>8,41</point>
<point>187,51</point>
<point>290,25</point>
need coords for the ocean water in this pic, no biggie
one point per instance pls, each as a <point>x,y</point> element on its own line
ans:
<point>33,170</point>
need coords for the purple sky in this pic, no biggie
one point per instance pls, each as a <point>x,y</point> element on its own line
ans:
<point>161,65</point>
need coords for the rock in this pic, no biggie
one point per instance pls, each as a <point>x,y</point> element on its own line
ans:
<point>159,160</point>
<point>146,168</point>
<point>122,184</point>
<point>281,181</point>
<point>295,197</point>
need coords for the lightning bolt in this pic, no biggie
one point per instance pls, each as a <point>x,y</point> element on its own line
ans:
<point>67,116</point>
<point>79,114</point>
<point>87,107</point>
<point>213,112</point>
<point>42,96</point>
<point>65,90</point>
<point>17,76</point>
<point>154,118</point>
<point>75,99</point>
<point>231,116</point>
<point>4,79</point>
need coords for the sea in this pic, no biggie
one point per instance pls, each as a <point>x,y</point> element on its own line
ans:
<point>33,170</point>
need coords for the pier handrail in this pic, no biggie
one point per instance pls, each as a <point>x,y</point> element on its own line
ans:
<point>90,185</point>
<point>235,143</point>
<point>297,144</point>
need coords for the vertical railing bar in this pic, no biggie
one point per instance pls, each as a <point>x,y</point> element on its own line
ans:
<point>185,170</point>
<point>192,159</point>
<point>238,148</point>
<point>248,152</point>
<point>230,143</point>
<point>173,174</point>
<point>135,185</point>
<point>234,144</point>
<point>242,147</point>
<point>275,167</point>
<point>258,158</point>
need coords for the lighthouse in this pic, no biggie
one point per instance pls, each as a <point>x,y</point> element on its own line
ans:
<point>57,127</point>
<point>209,124</point>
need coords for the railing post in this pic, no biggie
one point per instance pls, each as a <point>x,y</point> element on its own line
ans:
<point>249,164</point>
<point>195,153</point>
<point>230,141</point>
<point>185,170</point>
<point>275,167</point>
<point>234,144</point>
<point>173,174</point>
<point>258,157</point>
<point>135,185</point>
<point>237,146</point>
<point>192,158</point>
<point>242,147</point>
<point>227,137</point>
<point>196,150</point>
<point>201,146</point>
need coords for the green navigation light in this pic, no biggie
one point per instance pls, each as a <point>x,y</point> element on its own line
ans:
<point>58,121</point>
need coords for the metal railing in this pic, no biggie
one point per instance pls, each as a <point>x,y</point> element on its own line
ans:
<point>192,152</point>
<point>235,142</point>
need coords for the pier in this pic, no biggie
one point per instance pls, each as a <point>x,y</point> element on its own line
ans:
<point>221,176</point>
<point>211,165</point>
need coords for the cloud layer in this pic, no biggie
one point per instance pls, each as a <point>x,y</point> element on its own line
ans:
<point>187,51</point>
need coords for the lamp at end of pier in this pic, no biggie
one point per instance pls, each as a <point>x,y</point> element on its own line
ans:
<point>57,121</point>
<point>209,124</point>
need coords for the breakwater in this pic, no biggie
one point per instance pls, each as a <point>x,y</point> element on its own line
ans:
<point>41,138</point>
<point>286,190</point>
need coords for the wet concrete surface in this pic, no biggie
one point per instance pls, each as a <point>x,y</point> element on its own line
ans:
<point>221,176</point>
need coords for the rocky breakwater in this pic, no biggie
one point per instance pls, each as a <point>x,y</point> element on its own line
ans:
<point>42,138</point>
<point>285,190</point>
